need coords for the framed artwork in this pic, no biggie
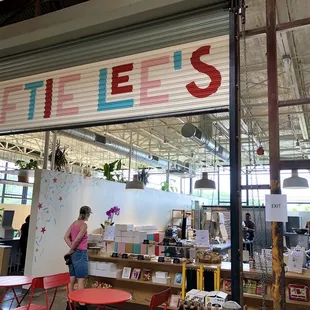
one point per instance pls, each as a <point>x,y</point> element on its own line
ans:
<point>174,301</point>
<point>178,279</point>
<point>135,274</point>
<point>146,275</point>
<point>126,273</point>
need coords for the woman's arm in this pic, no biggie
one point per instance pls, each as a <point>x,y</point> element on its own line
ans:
<point>67,237</point>
<point>78,239</point>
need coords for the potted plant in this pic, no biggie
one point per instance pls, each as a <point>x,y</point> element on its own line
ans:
<point>60,157</point>
<point>23,166</point>
<point>143,176</point>
<point>109,171</point>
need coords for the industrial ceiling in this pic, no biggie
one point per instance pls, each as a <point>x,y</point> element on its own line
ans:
<point>163,137</point>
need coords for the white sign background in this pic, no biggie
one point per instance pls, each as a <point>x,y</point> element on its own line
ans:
<point>155,84</point>
<point>276,208</point>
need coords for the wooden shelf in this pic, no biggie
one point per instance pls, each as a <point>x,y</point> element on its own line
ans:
<point>97,257</point>
<point>149,283</point>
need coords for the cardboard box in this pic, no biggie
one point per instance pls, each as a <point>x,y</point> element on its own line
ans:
<point>216,298</point>
<point>127,239</point>
<point>124,227</point>
<point>201,297</point>
<point>192,294</point>
<point>128,234</point>
<point>161,280</point>
<point>161,274</point>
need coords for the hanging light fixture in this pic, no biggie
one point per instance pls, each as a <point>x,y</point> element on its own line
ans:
<point>295,182</point>
<point>135,184</point>
<point>204,182</point>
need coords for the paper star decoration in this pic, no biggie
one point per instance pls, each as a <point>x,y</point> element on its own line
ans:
<point>40,206</point>
<point>55,180</point>
<point>60,198</point>
<point>43,230</point>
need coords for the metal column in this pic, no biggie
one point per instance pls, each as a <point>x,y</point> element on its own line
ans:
<point>46,149</point>
<point>278,285</point>
<point>235,155</point>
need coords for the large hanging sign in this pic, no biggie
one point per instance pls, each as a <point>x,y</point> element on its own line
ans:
<point>188,77</point>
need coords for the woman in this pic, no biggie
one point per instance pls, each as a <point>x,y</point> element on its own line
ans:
<point>76,238</point>
<point>24,230</point>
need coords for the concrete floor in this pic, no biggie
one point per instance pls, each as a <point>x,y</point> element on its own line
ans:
<point>60,301</point>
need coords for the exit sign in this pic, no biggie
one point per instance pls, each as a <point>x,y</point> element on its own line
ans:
<point>276,208</point>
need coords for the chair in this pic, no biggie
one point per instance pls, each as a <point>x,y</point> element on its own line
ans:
<point>47,283</point>
<point>55,282</point>
<point>160,299</point>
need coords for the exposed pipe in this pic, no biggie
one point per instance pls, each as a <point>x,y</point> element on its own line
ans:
<point>191,131</point>
<point>116,146</point>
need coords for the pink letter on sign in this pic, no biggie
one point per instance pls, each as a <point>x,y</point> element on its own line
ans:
<point>146,84</point>
<point>62,97</point>
<point>6,107</point>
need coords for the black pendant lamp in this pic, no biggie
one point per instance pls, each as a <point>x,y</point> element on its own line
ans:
<point>204,182</point>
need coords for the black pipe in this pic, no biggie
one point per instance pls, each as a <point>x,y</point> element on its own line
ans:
<point>235,154</point>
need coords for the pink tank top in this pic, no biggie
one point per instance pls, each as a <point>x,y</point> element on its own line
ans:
<point>75,230</point>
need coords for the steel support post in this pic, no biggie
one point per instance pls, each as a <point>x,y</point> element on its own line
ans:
<point>46,149</point>
<point>278,285</point>
<point>54,150</point>
<point>235,155</point>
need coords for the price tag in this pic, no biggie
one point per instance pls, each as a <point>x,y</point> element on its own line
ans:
<point>176,260</point>
<point>140,257</point>
<point>125,256</point>
<point>114,254</point>
<point>146,241</point>
<point>161,259</point>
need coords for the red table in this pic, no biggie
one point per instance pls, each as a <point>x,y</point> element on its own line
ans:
<point>99,296</point>
<point>11,282</point>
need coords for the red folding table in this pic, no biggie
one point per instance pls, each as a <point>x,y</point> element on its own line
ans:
<point>10,283</point>
<point>99,296</point>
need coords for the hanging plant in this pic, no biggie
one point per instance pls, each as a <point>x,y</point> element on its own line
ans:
<point>60,157</point>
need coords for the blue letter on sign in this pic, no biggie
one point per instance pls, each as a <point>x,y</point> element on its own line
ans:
<point>33,93</point>
<point>102,99</point>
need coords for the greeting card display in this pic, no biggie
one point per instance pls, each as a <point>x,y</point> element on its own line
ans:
<point>126,273</point>
<point>135,274</point>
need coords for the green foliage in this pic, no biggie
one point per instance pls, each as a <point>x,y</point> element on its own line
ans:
<point>60,157</point>
<point>109,171</point>
<point>22,165</point>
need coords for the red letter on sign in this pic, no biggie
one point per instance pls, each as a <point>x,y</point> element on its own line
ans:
<point>146,84</point>
<point>213,73</point>
<point>116,79</point>
<point>6,107</point>
<point>62,97</point>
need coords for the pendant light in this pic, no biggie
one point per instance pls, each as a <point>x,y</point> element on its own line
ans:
<point>295,182</point>
<point>204,182</point>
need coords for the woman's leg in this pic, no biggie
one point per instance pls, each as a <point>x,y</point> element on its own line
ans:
<point>72,282</point>
<point>81,283</point>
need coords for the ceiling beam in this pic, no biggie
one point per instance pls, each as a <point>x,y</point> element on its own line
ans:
<point>282,27</point>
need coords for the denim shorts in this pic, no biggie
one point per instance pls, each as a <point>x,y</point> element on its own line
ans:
<point>79,266</point>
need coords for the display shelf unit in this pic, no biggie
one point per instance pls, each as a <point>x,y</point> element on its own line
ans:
<point>178,215</point>
<point>142,291</point>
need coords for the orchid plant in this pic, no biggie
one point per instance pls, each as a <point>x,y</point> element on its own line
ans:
<point>110,213</point>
